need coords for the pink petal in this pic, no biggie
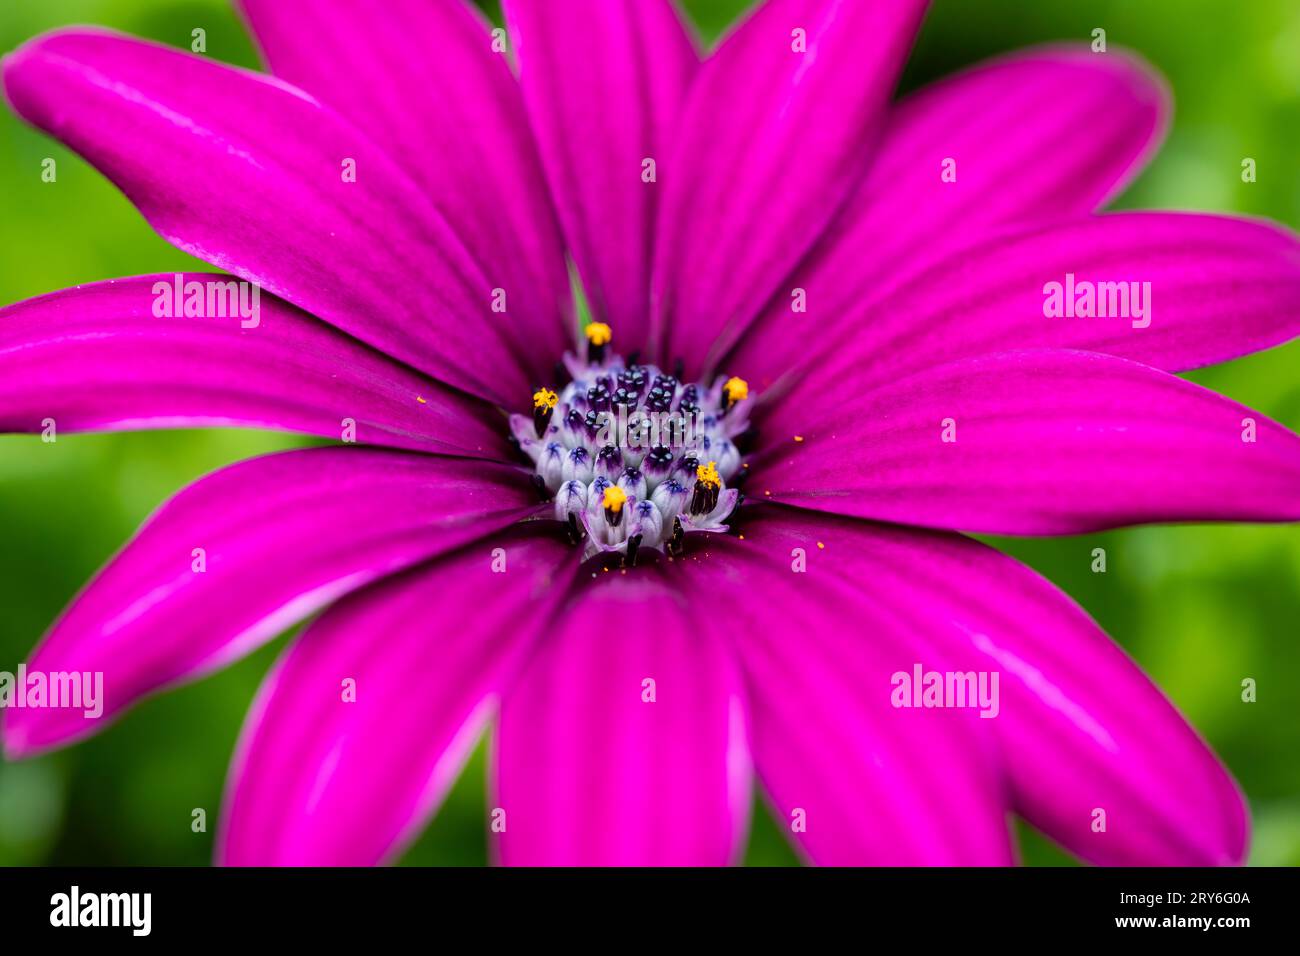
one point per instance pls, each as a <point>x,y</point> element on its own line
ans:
<point>323,780</point>
<point>248,174</point>
<point>853,780</point>
<point>282,536</point>
<point>1079,726</point>
<point>1012,126</point>
<point>1046,442</point>
<point>97,358</point>
<point>773,142</point>
<point>605,81</point>
<point>1219,288</point>
<point>589,772</point>
<point>421,77</point>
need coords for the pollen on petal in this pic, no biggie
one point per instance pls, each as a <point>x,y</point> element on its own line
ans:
<point>599,333</point>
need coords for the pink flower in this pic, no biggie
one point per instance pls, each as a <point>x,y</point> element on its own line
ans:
<point>874,272</point>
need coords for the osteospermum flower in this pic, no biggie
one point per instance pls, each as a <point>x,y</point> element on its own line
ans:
<point>839,298</point>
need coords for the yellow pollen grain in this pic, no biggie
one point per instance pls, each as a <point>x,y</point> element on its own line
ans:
<point>422,400</point>
<point>545,398</point>
<point>598,333</point>
<point>736,389</point>
<point>821,546</point>
<point>615,498</point>
<point>708,476</point>
<point>798,438</point>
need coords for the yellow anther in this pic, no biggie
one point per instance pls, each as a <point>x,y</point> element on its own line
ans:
<point>598,333</point>
<point>735,390</point>
<point>615,498</point>
<point>708,476</point>
<point>544,398</point>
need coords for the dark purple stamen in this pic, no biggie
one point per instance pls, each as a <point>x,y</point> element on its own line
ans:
<point>624,398</point>
<point>542,418</point>
<point>660,458</point>
<point>676,544</point>
<point>704,498</point>
<point>610,458</point>
<point>598,397</point>
<point>660,399</point>
<point>633,379</point>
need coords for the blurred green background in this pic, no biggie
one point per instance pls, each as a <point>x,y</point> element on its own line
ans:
<point>1200,608</point>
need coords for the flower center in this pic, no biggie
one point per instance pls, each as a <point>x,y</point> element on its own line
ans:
<point>633,457</point>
